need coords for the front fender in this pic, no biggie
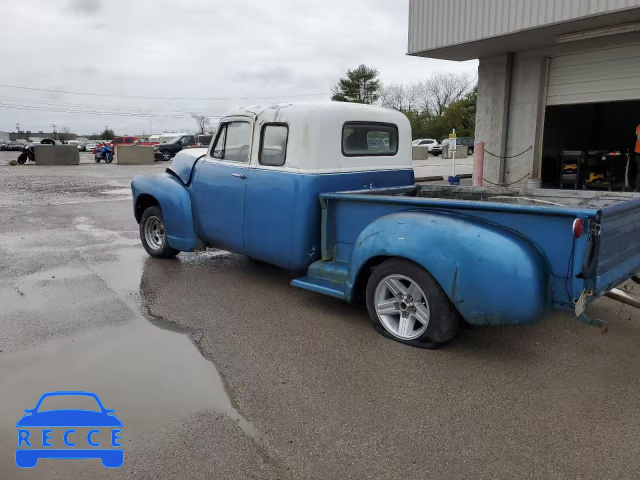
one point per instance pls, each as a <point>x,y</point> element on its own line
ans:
<point>492,275</point>
<point>175,202</point>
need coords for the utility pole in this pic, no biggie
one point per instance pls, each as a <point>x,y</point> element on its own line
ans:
<point>18,127</point>
<point>55,137</point>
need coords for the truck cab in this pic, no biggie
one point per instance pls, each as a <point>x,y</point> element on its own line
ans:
<point>256,190</point>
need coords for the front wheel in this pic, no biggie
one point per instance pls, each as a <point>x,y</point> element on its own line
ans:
<point>166,155</point>
<point>108,158</point>
<point>407,305</point>
<point>22,158</point>
<point>154,235</point>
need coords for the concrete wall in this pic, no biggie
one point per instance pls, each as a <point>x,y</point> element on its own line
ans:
<point>420,153</point>
<point>510,113</point>
<point>56,155</point>
<point>138,155</point>
<point>494,82</point>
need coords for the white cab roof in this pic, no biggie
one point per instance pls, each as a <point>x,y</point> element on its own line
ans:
<point>315,135</point>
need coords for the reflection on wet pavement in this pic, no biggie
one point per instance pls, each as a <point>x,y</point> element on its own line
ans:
<point>149,375</point>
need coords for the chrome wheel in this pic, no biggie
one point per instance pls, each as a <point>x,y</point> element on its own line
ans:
<point>154,233</point>
<point>166,154</point>
<point>402,307</point>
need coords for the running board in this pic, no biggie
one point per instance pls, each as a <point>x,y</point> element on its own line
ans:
<point>320,285</point>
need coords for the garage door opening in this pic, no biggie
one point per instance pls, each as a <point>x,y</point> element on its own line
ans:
<point>588,145</point>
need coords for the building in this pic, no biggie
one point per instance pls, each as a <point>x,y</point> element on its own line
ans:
<point>37,136</point>
<point>553,75</point>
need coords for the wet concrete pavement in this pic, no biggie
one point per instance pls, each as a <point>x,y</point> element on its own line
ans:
<point>219,369</point>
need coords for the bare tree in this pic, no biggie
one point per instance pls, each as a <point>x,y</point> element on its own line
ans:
<point>64,134</point>
<point>443,89</point>
<point>202,122</point>
<point>405,98</point>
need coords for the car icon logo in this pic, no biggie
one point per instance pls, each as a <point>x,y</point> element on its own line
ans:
<point>93,433</point>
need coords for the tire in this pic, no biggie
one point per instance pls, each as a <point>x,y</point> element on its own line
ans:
<point>430,320</point>
<point>166,155</point>
<point>22,158</point>
<point>153,235</point>
<point>469,151</point>
<point>108,158</point>
<point>96,158</point>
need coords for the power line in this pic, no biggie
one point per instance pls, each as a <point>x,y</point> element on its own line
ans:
<point>101,113</point>
<point>127,108</point>
<point>158,97</point>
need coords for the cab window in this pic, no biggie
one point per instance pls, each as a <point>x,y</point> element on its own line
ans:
<point>233,143</point>
<point>363,139</point>
<point>273,145</point>
<point>129,140</point>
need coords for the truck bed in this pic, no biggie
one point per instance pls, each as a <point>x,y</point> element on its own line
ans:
<point>579,199</point>
<point>607,254</point>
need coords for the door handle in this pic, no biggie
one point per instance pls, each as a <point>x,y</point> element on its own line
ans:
<point>238,175</point>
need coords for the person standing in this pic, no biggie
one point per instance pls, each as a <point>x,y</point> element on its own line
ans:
<point>634,165</point>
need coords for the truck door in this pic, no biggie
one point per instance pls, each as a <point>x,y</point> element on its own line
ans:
<point>218,189</point>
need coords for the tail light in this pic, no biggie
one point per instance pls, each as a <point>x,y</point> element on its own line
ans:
<point>578,227</point>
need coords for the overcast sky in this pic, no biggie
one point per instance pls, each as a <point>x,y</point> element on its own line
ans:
<point>229,50</point>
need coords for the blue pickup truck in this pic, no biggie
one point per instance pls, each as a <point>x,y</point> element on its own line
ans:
<point>328,189</point>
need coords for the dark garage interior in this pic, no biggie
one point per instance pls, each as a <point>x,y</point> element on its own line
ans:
<point>587,145</point>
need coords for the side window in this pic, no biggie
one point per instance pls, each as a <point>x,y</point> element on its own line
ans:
<point>426,142</point>
<point>117,140</point>
<point>233,143</point>
<point>129,140</point>
<point>360,139</point>
<point>218,147</point>
<point>273,145</point>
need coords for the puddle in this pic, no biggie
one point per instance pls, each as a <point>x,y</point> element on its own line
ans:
<point>149,375</point>
<point>126,192</point>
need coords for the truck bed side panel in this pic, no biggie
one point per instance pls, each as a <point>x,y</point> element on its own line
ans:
<point>551,234</point>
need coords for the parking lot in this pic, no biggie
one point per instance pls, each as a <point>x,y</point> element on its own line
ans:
<point>218,368</point>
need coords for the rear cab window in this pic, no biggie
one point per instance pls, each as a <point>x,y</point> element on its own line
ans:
<point>365,139</point>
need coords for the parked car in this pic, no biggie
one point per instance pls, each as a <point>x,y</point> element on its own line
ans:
<point>467,142</point>
<point>3,145</point>
<point>15,146</point>
<point>434,147</point>
<point>166,151</point>
<point>126,140</point>
<point>90,147</point>
<point>203,140</point>
<point>284,185</point>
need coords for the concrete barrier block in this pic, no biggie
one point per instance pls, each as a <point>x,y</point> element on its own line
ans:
<point>56,154</point>
<point>135,155</point>
<point>420,153</point>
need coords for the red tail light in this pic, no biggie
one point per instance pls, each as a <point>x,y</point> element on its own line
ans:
<point>578,227</point>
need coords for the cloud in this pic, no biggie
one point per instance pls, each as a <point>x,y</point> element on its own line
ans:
<point>201,48</point>
<point>86,7</point>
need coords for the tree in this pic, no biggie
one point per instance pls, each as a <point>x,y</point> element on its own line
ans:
<point>202,122</point>
<point>107,134</point>
<point>359,86</point>
<point>64,134</point>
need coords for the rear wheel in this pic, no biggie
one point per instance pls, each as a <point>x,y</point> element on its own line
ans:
<point>407,305</point>
<point>22,158</point>
<point>96,158</point>
<point>154,235</point>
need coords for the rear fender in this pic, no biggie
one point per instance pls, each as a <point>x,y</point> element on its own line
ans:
<point>492,275</point>
<point>175,202</point>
